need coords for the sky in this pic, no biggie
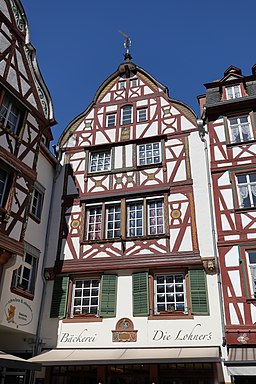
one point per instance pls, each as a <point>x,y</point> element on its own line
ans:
<point>181,43</point>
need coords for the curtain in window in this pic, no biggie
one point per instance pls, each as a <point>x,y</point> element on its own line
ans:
<point>243,192</point>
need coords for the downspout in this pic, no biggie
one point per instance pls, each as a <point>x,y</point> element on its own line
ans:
<point>202,132</point>
<point>38,342</point>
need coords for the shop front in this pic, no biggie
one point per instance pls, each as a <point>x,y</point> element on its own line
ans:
<point>132,366</point>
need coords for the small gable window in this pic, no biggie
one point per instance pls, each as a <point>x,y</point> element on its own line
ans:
<point>233,92</point>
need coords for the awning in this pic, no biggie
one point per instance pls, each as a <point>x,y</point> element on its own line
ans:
<point>11,361</point>
<point>126,356</point>
<point>241,361</point>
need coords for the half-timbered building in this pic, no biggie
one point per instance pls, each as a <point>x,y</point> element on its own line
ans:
<point>132,286</point>
<point>228,110</point>
<point>26,180</point>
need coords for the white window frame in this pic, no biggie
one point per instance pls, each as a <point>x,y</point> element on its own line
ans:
<point>101,160</point>
<point>3,185</point>
<point>24,277</point>
<point>136,229</point>
<point>246,189</point>
<point>155,220</point>
<point>126,115</point>
<point>134,82</point>
<point>168,305</point>
<point>113,219</point>
<point>10,114</point>
<point>240,130</point>
<point>252,270</point>
<point>121,84</point>
<point>146,152</point>
<point>233,92</point>
<point>111,120</point>
<point>142,114</point>
<point>37,201</point>
<point>85,304</point>
<point>94,222</point>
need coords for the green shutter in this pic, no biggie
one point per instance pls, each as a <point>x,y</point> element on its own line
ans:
<point>198,292</point>
<point>140,294</point>
<point>108,296</point>
<point>59,296</point>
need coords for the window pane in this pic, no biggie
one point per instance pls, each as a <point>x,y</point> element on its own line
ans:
<point>135,223</point>
<point>149,153</point>
<point>169,292</point>
<point>113,221</point>
<point>155,217</point>
<point>3,184</point>
<point>100,161</point>
<point>127,114</point>
<point>85,300</point>
<point>246,184</point>
<point>111,120</point>
<point>94,223</point>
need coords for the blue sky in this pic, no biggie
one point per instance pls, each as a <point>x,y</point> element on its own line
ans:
<point>183,44</point>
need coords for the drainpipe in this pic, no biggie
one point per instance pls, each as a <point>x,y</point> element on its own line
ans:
<point>202,132</point>
<point>38,343</point>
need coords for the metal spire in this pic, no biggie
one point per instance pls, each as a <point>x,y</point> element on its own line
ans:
<point>127,45</point>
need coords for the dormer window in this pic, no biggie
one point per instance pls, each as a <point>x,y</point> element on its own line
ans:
<point>233,92</point>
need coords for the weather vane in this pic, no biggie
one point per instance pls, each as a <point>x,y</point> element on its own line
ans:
<point>127,42</point>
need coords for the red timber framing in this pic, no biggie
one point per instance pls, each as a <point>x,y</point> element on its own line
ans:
<point>232,159</point>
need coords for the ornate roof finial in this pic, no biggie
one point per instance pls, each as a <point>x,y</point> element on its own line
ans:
<point>127,45</point>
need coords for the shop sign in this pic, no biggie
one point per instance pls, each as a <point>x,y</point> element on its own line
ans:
<point>82,337</point>
<point>18,312</point>
<point>194,334</point>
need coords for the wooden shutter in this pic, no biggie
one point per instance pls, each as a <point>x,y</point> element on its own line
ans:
<point>140,294</point>
<point>198,292</point>
<point>108,296</point>
<point>59,296</point>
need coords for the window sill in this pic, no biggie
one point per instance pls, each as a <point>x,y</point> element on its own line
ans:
<point>241,143</point>
<point>83,319</point>
<point>22,292</point>
<point>245,209</point>
<point>251,300</point>
<point>8,130</point>
<point>126,239</point>
<point>167,315</point>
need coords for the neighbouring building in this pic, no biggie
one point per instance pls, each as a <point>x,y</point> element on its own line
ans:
<point>27,170</point>
<point>228,112</point>
<point>132,284</point>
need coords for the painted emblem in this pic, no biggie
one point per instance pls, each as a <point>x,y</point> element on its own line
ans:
<point>124,331</point>
<point>243,338</point>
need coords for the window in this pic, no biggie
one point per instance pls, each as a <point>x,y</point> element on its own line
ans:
<point>251,260</point>
<point>85,297</point>
<point>111,120</point>
<point>126,115</point>
<point>100,161</point>
<point>10,114</point>
<point>240,129</point>
<point>134,82</point>
<point>149,153</point>
<point>37,202</point>
<point>142,115</point>
<point>143,217</point>
<point>121,85</point>
<point>24,278</point>
<point>95,229</point>
<point>246,184</point>
<point>169,292</point>
<point>93,296</point>
<point>3,185</point>
<point>233,92</point>
<point>155,218</point>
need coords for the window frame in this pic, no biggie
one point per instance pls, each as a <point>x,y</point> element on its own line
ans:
<point>5,186</point>
<point>251,267</point>
<point>9,106</point>
<point>145,157</point>
<point>240,204</point>
<point>108,117</point>
<point>19,277</point>
<point>36,207</point>
<point>106,158</point>
<point>139,111</point>
<point>124,120</point>
<point>232,95</point>
<point>184,292</point>
<point>239,126</point>
<point>90,297</point>
<point>121,223</point>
